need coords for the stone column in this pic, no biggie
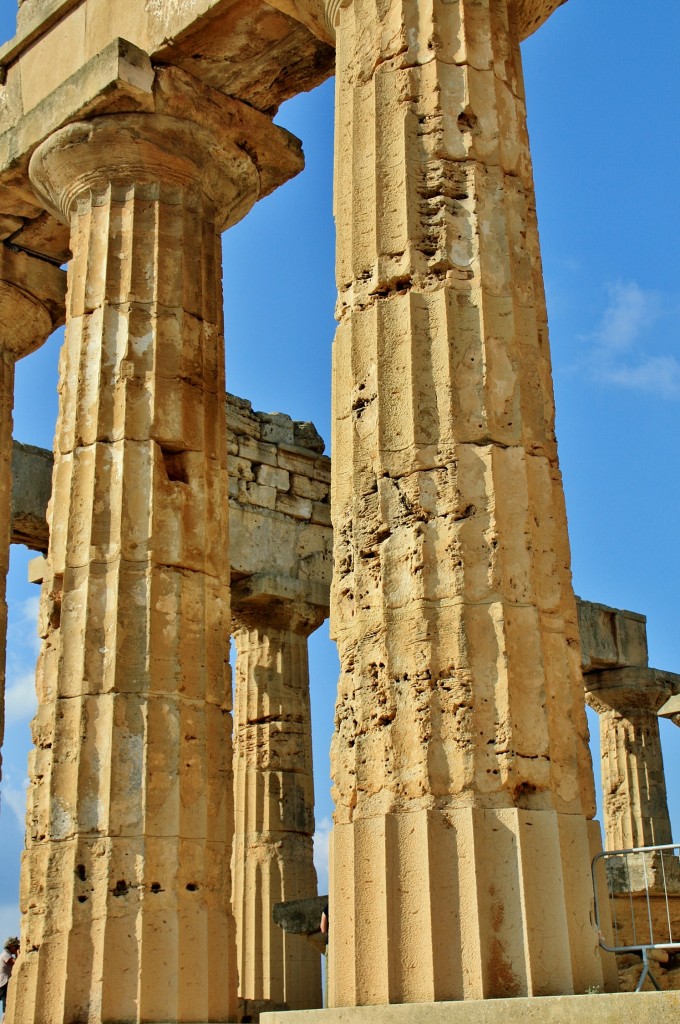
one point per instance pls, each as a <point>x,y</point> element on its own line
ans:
<point>126,878</point>
<point>31,307</point>
<point>463,780</point>
<point>633,779</point>
<point>274,802</point>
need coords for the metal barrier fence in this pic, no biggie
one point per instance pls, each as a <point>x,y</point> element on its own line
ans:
<point>642,889</point>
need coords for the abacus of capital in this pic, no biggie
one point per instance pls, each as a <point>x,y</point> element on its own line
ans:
<point>131,136</point>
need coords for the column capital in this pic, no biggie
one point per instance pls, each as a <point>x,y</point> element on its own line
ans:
<point>333,13</point>
<point>297,606</point>
<point>32,301</point>
<point>628,690</point>
<point>195,139</point>
<point>530,14</point>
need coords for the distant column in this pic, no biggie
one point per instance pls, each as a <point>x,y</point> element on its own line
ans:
<point>274,802</point>
<point>32,295</point>
<point>131,796</point>
<point>463,781</point>
<point>633,777</point>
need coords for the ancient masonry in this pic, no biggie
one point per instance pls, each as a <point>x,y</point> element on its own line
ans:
<point>131,135</point>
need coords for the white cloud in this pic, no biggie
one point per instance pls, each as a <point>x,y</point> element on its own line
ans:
<point>628,313</point>
<point>619,352</point>
<point>323,830</point>
<point>15,799</point>
<point>20,697</point>
<point>659,375</point>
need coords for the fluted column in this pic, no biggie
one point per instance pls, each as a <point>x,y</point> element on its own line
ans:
<point>31,307</point>
<point>126,877</point>
<point>463,781</point>
<point>274,803</point>
<point>635,803</point>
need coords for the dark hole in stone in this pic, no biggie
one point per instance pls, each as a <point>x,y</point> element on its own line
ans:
<point>81,872</point>
<point>175,463</point>
<point>156,887</point>
<point>82,899</point>
<point>192,887</point>
<point>121,888</point>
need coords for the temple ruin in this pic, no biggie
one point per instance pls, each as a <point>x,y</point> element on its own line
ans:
<point>464,827</point>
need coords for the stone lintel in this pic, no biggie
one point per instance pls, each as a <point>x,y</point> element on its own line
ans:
<point>310,13</point>
<point>610,637</point>
<point>627,690</point>
<point>531,14</point>
<point>671,709</point>
<point>37,569</point>
<point>261,589</point>
<point>599,1008</point>
<point>31,489</point>
<point>121,79</point>
<point>118,78</point>
<point>300,917</point>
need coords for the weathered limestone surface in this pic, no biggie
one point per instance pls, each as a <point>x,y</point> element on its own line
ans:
<point>610,637</point>
<point>452,603</point>
<point>130,804</point>
<point>633,779</point>
<point>73,60</point>
<point>642,1007</point>
<point>274,799</point>
<point>671,709</point>
<point>279,515</point>
<point>279,511</point>
<point>31,307</point>
<point>31,490</point>
<point>628,697</point>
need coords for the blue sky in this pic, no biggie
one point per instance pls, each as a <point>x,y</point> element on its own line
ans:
<point>602,86</point>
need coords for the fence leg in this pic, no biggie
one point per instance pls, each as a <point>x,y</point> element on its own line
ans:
<point>646,971</point>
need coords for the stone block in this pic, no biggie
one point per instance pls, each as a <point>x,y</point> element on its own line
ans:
<point>270,476</point>
<point>31,489</point>
<point>611,637</point>
<point>305,487</point>
<point>321,514</point>
<point>295,460</point>
<point>599,1008</point>
<point>257,494</point>
<point>290,505</point>
<point>258,451</point>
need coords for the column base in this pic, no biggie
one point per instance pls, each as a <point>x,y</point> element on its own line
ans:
<point>618,1008</point>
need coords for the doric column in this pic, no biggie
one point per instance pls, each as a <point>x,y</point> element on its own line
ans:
<point>463,781</point>
<point>130,803</point>
<point>274,802</point>
<point>633,778</point>
<point>31,307</point>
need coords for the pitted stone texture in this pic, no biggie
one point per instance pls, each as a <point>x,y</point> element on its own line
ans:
<point>279,498</point>
<point>452,602</point>
<point>274,799</point>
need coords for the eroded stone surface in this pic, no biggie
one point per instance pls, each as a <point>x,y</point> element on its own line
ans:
<point>130,805</point>
<point>452,604</point>
<point>274,799</point>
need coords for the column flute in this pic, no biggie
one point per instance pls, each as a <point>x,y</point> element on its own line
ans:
<point>463,780</point>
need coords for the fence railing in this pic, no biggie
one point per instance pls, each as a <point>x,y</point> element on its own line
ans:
<point>642,889</point>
